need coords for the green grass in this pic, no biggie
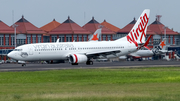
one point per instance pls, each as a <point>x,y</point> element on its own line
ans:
<point>132,84</point>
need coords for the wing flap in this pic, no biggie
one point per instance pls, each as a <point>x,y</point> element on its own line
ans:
<point>102,53</point>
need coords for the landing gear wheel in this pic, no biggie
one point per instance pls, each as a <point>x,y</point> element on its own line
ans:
<point>131,59</point>
<point>89,63</point>
<point>140,59</point>
<point>23,64</point>
<point>128,59</point>
<point>74,63</point>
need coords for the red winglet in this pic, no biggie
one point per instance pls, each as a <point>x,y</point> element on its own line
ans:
<point>147,41</point>
<point>147,47</point>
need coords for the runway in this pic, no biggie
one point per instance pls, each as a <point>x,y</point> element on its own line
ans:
<point>121,64</point>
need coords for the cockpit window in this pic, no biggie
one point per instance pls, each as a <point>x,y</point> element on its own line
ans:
<point>17,50</point>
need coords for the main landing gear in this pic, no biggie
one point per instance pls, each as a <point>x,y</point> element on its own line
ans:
<point>74,63</point>
<point>23,64</point>
<point>89,62</point>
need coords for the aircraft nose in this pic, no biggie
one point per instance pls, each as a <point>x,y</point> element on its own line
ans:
<point>10,55</point>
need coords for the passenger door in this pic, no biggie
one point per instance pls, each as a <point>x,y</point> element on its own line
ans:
<point>30,51</point>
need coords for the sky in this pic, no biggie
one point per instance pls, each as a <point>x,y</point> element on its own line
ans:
<point>117,12</point>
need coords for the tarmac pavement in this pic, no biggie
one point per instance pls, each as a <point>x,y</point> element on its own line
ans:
<point>120,64</point>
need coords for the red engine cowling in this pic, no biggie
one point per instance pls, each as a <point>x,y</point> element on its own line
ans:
<point>77,58</point>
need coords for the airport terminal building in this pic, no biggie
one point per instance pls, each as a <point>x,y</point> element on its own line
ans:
<point>69,31</point>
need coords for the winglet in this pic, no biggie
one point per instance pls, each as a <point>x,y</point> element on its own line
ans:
<point>147,41</point>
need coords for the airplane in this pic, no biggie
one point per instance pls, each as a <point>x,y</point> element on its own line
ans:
<point>84,52</point>
<point>146,52</point>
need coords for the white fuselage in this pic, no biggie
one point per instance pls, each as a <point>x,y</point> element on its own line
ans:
<point>61,51</point>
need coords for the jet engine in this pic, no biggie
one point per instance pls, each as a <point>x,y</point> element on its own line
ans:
<point>77,58</point>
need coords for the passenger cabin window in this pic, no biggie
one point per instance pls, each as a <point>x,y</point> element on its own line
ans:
<point>17,50</point>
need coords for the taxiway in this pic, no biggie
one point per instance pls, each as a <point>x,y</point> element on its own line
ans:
<point>121,64</point>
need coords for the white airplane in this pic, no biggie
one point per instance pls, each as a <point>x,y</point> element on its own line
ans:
<point>80,52</point>
<point>146,52</point>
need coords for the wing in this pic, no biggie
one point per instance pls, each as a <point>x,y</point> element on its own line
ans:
<point>95,55</point>
<point>84,57</point>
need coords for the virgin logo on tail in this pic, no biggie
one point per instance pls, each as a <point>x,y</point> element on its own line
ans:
<point>139,31</point>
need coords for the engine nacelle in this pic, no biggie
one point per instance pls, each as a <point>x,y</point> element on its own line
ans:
<point>77,58</point>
